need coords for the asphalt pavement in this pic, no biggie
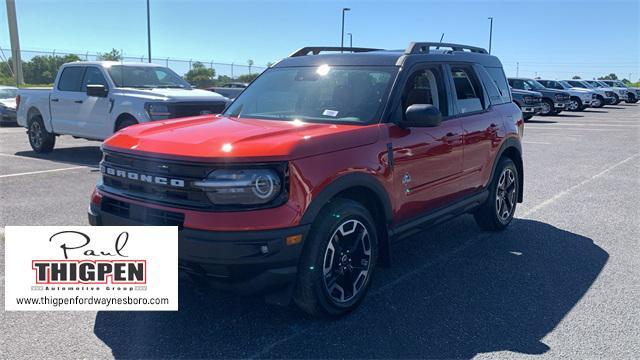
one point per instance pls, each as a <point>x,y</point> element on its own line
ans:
<point>563,281</point>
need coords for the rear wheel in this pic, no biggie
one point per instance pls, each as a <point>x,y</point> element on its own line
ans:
<point>40,139</point>
<point>338,260</point>
<point>575,104</point>
<point>498,210</point>
<point>547,107</point>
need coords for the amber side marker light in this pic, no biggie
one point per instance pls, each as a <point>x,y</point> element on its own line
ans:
<point>294,239</point>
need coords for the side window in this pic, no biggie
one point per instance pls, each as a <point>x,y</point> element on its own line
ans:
<point>555,85</point>
<point>93,76</point>
<point>497,74</point>
<point>468,94</point>
<point>490,86</point>
<point>71,78</point>
<point>425,86</point>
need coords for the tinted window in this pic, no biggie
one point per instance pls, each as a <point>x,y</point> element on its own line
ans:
<point>468,94</point>
<point>93,76</point>
<point>425,86</point>
<point>497,74</point>
<point>576,84</point>
<point>71,79</point>
<point>490,86</point>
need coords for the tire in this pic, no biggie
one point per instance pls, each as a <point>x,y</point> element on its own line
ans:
<point>617,99</point>
<point>547,107</point>
<point>337,235</point>
<point>599,102</point>
<point>527,117</point>
<point>40,139</point>
<point>575,104</point>
<point>125,122</point>
<point>631,99</point>
<point>497,211</point>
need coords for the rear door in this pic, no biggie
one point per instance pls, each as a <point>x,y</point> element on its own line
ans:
<point>92,117</point>
<point>66,100</point>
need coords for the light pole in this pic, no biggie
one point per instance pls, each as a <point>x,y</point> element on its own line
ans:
<point>148,30</point>
<point>490,33</point>
<point>350,40</point>
<point>344,10</point>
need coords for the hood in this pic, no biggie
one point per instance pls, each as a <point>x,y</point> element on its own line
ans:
<point>218,139</point>
<point>552,91</point>
<point>10,103</point>
<point>525,92</point>
<point>577,89</point>
<point>164,94</point>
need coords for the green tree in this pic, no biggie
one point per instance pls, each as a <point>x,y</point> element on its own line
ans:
<point>42,69</point>
<point>611,76</point>
<point>576,77</point>
<point>200,76</point>
<point>113,55</point>
<point>222,80</point>
<point>247,77</point>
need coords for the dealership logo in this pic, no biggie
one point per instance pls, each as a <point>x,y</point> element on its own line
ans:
<point>150,179</point>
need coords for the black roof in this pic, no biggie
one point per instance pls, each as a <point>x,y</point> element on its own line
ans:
<point>416,52</point>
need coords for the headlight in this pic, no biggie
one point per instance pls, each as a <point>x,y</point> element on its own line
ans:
<point>559,96</point>
<point>157,111</point>
<point>527,99</point>
<point>241,186</point>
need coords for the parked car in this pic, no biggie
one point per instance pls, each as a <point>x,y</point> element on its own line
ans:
<point>619,93</point>
<point>580,98</point>
<point>553,101</point>
<point>530,102</point>
<point>298,187</point>
<point>92,100</point>
<point>603,97</point>
<point>8,105</point>
<point>230,90</point>
<point>632,93</point>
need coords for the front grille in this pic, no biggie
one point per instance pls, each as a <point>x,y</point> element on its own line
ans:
<point>144,215</point>
<point>195,109</point>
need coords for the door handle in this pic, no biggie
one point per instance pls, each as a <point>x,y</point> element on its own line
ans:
<point>54,100</point>
<point>78,101</point>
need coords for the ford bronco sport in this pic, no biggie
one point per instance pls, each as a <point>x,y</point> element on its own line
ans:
<point>298,187</point>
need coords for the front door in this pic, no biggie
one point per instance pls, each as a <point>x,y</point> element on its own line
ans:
<point>93,114</point>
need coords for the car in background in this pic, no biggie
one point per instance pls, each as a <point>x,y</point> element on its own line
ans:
<point>94,99</point>
<point>619,93</point>
<point>580,98</point>
<point>8,105</point>
<point>603,97</point>
<point>553,101</point>
<point>230,90</point>
<point>633,93</point>
<point>529,102</point>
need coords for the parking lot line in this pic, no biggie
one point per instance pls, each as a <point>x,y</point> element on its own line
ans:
<point>44,171</point>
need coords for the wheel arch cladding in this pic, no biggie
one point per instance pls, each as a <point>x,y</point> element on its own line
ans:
<point>512,149</point>
<point>368,191</point>
<point>122,117</point>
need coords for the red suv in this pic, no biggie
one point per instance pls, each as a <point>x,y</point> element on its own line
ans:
<point>297,189</point>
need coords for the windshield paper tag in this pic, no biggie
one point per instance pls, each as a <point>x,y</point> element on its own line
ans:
<point>332,113</point>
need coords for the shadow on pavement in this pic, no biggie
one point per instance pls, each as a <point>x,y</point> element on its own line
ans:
<point>567,115</point>
<point>80,155</point>
<point>540,122</point>
<point>452,292</point>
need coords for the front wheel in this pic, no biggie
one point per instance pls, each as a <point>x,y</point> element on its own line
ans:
<point>599,102</point>
<point>547,107</point>
<point>338,260</point>
<point>575,104</point>
<point>498,210</point>
<point>631,99</point>
<point>40,139</point>
<point>617,101</point>
<point>526,117</point>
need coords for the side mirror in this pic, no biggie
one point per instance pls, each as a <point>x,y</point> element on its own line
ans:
<point>422,115</point>
<point>97,90</point>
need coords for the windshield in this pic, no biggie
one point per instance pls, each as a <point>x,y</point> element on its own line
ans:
<point>8,93</point>
<point>565,84</point>
<point>534,84</point>
<point>146,77</point>
<point>322,94</point>
<point>596,84</point>
<point>619,84</point>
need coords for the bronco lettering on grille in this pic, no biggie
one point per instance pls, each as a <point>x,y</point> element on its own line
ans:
<point>151,179</point>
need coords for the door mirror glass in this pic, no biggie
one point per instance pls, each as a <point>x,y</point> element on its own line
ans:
<point>422,115</point>
<point>97,90</point>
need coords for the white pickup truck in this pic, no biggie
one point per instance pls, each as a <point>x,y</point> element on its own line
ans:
<point>92,100</point>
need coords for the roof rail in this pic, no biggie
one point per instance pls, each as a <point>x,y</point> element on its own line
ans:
<point>423,47</point>
<point>315,50</point>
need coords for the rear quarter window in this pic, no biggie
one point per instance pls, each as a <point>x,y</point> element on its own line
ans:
<point>71,78</point>
<point>497,75</point>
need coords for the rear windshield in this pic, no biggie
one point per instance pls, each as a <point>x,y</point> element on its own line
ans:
<point>340,94</point>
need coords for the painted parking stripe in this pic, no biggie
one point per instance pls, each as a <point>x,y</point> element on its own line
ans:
<point>44,171</point>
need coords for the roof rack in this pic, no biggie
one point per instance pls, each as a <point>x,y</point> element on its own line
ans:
<point>315,50</point>
<point>423,47</point>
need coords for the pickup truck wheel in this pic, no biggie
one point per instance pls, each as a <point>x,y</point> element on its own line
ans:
<point>575,104</point>
<point>497,211</point>
<point>128,121</point>
<point>599,102</point>
<point>338,260</point>
<point>547,107</point>
<point>40,139</point>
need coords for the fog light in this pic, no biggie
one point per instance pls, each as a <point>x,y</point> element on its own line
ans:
<point>96,198</point>
<point>294,239</point>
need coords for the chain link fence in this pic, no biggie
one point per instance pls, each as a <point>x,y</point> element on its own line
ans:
<point>180,65</point>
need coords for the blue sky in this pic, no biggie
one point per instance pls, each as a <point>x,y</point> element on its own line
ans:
<point>552,39</point>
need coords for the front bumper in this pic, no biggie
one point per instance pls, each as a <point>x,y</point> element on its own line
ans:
<point>245,262</point>
<point>560,105</point>
<point>531,109</point>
